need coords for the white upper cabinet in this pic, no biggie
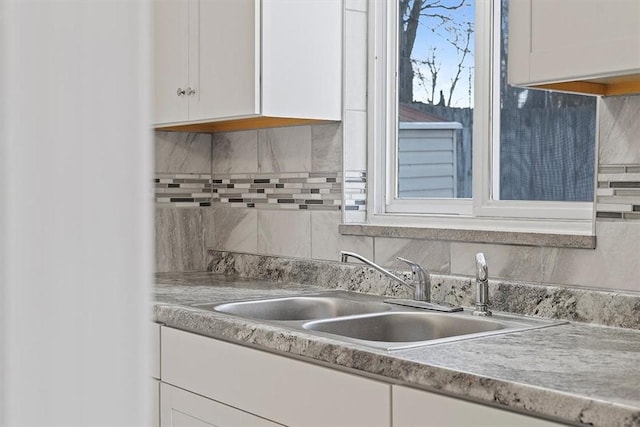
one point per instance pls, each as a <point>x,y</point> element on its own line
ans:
<point>171,60</point>
<point>302,58</point>
<point>226,60</point>
<point>585,46</point>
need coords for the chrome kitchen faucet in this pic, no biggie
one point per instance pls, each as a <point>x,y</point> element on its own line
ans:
<point>420,283</point>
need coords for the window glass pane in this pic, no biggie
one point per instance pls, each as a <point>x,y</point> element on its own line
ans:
<point>435,94</point>
<point>547,140</point>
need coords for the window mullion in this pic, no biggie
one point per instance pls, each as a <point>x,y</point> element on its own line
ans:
<point>482,113</point>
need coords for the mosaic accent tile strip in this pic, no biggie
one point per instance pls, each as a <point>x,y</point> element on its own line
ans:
<point>618,192</point>
<point>301,191</point>
<point>183,190</point>
<point>355,191</point>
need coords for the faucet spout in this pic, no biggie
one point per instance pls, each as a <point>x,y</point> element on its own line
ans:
<point>421,283</point>
<point>345,256</point>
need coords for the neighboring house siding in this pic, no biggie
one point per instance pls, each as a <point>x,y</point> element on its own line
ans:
<point>427,159</point>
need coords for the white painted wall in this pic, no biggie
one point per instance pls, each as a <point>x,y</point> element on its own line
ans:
<point>75,213</point>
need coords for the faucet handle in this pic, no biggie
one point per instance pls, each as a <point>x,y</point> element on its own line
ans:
<point>482,270</point>
<point>415,267</point>
<point>421,280</point>
<point>419,273</point>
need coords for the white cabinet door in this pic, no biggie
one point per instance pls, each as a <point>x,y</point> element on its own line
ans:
<point>554,41</point>
<point>227,75</point>
<point>414,408</point>
<point>302,58</point>
<point>180,408</point>
<point>281,389</point>
<point>155,351</point>
<point>171,60</point>
<point>207,63</point>
<point>155,403</point>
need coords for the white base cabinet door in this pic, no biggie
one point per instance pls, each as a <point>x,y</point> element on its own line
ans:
<point>155,374</point>
<point>413,408</point>
<point>155,403</point>
<point>210,382</point>
<point>180,408</point>
<point>287,391</point>
<point>155,351</point>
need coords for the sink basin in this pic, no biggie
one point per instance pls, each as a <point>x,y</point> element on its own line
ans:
<point>366,320</point>
<point>300,308</point>
<point>404,326</point>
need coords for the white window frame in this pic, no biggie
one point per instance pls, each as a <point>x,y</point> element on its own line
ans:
<point>481,211</point>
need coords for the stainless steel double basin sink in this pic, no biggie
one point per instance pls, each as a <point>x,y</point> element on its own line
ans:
<point>368,320</point>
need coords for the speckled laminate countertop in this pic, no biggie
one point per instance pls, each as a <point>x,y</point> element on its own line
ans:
<point>581,374</point>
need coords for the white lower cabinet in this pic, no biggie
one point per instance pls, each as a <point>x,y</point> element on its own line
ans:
<point>183,409</point>
<point>155,351</point>
<point>277,388</point>
<point>155,374</point>
<point>155,403</point>
<point>413,408</point>
<point>209,382</point>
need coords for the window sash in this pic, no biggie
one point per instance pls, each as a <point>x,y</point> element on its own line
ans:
<point>383,206</point>
<point>486,154</point>
<point>394,204</point>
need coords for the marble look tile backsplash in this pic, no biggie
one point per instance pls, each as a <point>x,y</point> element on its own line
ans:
<point>281,168</point>
<point>183,190</point>
<point>301,190</point>
<point>355,191</point>
<point>618,192</point>
<point>273,191</point>
<point>619,130</point>
<point>182,153</point>
<point>183,172</point>
<point>182,237</point>
<point>235,229</point>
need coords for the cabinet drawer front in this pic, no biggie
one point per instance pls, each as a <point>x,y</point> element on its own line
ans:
<point>181,408</point>
<point>413,408</point>
<point>284,390</point>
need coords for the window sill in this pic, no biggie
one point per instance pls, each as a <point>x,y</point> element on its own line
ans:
<point>471,235</point>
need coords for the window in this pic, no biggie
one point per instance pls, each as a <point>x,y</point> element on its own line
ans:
<point>453,139</point>
<point>546,139</point>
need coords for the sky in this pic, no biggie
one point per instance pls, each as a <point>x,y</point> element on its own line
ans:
<point>432,35</point>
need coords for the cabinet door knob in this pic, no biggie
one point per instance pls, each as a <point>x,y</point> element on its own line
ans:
<point>190,91</point>
<point>180,92</point>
